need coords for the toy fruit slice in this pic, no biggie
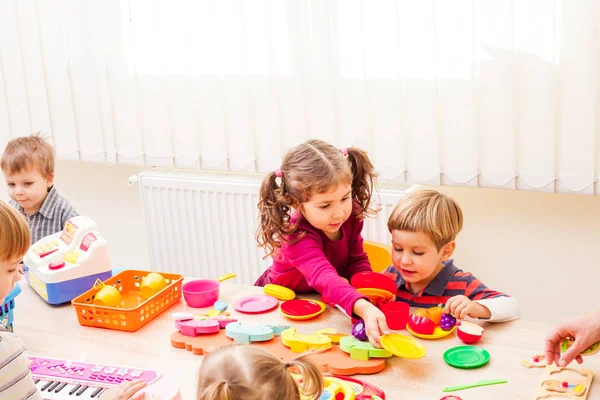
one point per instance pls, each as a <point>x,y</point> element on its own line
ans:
<point>421,325</point>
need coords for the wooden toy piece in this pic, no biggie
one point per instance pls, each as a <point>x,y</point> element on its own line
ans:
<point>566,382</point>
<point>334,360</point>
<point>245,334</point>
<point>334,335</point>
<point>277,328</point>
<point>593,349</point>
<point>537,361</point>
<point>362,350</point>
<point>300,342</point>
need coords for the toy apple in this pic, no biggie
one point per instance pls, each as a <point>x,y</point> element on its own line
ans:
<point>420,322</point>
<point>469,332</point>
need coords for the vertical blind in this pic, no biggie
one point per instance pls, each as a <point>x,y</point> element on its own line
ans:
<point>493,93</point>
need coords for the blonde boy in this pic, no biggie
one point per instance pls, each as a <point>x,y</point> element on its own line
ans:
<point>28,166</point>
<point>15,376</point>
<point>424,225</point>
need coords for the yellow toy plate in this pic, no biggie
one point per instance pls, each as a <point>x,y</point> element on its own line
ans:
<point>376,295</point>
<point>438,333</point>
<point>279,292</point>
<point>403,346</point>
<point>305,317</point>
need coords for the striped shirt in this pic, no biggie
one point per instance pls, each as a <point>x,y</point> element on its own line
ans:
<point>16,382</point>
<point>50,218</point>
<point>450,282</point>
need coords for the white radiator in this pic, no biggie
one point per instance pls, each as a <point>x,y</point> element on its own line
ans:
<point>203,224</point>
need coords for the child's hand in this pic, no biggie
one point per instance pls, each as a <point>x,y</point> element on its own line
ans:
<point>375,324</point>
<point>584,329</point>
<point>461,306</point>
<point>125,391</point>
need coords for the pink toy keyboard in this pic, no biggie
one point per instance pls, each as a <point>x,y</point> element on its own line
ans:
<point>60,379</point>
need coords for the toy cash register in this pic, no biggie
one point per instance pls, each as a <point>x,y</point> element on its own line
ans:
<point>64,265</point>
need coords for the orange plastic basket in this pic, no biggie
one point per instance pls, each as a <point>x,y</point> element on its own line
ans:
<point>135,311</point>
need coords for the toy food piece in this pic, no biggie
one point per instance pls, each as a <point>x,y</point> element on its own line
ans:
<point>447,322</point>
<point>436,313</point>
<point>279,292</point>
<point>538,361</point>
<point>360,350</point>
<point>108,296</point>
<point>564,387</point>
<point>469,332</point>
<point>421,324</point>
<point>593,349</point>
<point>359,331</point>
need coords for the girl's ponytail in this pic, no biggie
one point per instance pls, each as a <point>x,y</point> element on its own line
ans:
<point>218,390</point>
<point>363,181</point>
<point>274,208</point>
<point>312,380</point>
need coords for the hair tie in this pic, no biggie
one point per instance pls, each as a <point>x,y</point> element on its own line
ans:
<point>287,365</point>
<point>344,151</point>
<point>278,173</point>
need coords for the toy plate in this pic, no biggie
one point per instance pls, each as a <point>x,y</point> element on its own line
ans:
<point>301,309</point>
<point>403,346</point>
<point>376,295</point>
<point>438,333</point>
<point>466,357</point>
<point>255,304</point>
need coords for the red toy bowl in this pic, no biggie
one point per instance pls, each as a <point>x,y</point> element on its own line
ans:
<point>373,280</point>
<point>468,332</point>
<point>201,293</point>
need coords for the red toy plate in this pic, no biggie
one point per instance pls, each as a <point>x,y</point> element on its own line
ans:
<point>373,280</point>
<point>300,307</point>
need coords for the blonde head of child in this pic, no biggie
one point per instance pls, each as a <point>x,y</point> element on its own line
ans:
<point>312,174</point>
<point>243,372</point>
<point>28,167</point>
<point>424,225</point>
<point>14,243</point>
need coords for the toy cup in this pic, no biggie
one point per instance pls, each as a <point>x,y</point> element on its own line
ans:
<point>201,293</point>
<point>108,296</point>
<point>396,314</point>
<point>152,284</point>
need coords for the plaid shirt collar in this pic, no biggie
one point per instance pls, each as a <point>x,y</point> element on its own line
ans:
<point>47,206</point>
<point>438,285</point>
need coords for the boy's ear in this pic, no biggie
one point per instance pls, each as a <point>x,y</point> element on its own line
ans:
<point>50,180</point>
<point>447,250</point>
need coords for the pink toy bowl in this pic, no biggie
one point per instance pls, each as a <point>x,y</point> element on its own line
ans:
<point>468,332</point>
<point>201,293</point>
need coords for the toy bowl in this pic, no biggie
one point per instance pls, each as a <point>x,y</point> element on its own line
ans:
<point>373,280</point>
<point>201,293</point>
<point>468,332</point>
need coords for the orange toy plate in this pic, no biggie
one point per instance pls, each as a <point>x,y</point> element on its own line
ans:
<point>333,360</point>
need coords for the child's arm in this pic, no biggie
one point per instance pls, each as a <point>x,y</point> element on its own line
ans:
<point>480,302</point>
<point>15,376</point>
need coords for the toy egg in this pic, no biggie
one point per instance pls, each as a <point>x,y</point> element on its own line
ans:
<point>152,284</point>
<point>108,296</point>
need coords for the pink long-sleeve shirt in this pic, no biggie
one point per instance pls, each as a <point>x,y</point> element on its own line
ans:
<point>318,263</point>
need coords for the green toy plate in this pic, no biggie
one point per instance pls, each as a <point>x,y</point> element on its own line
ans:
<point>466,357</point>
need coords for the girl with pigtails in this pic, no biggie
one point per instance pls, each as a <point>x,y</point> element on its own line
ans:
<point>311,213</point>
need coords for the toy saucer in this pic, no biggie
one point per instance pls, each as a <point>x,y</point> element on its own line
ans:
<point>373,280</point>
<point>255,304</point>
<point>376,295</point>
<point>438,333</point>
<point>466,357</point>
<point>301,309</point>
<point>403,346</point>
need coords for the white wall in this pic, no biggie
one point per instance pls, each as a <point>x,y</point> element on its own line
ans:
<point>538,247</point>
